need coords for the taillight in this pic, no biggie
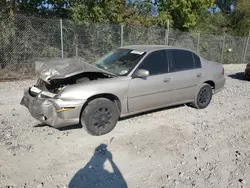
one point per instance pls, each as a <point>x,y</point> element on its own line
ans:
<point>248,65</point>
<point>223,71</point>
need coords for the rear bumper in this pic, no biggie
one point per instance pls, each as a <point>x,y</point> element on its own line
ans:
<point>219,85</point>
<point>54,112</point>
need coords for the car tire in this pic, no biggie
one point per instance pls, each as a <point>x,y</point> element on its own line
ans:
<point>99,117</point>
<point>203,96</point>
<point>247,78</point>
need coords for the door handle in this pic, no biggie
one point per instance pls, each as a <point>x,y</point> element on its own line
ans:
<point>166,79</point>
<point>199,75</point>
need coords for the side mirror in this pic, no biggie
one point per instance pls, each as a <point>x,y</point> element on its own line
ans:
<point>141,73</point>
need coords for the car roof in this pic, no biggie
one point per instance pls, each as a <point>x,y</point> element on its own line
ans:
<point>150,48</point>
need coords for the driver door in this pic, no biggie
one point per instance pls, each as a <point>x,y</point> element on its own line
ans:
<point>153,91</point>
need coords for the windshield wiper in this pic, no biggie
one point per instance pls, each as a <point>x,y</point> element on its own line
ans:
<point>105,70</point>
<point>101,66</point>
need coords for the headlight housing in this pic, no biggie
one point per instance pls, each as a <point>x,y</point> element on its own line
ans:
<point>58,96</point>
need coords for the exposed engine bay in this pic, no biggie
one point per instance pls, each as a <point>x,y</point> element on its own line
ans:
<point>55,85</point>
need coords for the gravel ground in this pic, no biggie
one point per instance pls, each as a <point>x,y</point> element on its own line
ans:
<point>178,147</point>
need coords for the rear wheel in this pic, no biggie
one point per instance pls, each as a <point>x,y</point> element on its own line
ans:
<point>203,97</point>
<point>100,116</point>
<point>246,77</point>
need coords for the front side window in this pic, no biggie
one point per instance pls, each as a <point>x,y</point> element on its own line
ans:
<point>180,60</point>
<point>155,63</point>
<point>120,62</point>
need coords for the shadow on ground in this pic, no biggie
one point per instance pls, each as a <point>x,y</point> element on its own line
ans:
<point>238,76</point>
<point>154,111</point>
<point>93,173</point>
<point>60,129</point>
<point>121,119</point>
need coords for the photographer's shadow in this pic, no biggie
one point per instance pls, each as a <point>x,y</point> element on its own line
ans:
<point>94,174</point>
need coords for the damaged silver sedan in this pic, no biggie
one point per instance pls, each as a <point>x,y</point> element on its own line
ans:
<point>126,81</point>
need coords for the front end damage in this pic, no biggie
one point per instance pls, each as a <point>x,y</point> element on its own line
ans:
<point>42,100</point>
<point>54,112</point>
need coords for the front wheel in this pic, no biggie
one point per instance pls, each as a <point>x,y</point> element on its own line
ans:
<point>100,116</point>
<point>203,97</point>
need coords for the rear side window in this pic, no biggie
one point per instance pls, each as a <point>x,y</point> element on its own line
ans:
<point>156,63</point>
<point>197,61</point>
<point>180,60</point>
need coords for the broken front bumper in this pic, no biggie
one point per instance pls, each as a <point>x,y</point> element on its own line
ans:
<point>53,112</point>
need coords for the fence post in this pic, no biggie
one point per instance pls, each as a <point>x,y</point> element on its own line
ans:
<point>198,43</point>
<point>166,37</point>
<point>121,35</point>
<point>76,43</point>
<point>61,27</point>
<point>245,53</point>
<point>167,34</point>
<point>222,51</point>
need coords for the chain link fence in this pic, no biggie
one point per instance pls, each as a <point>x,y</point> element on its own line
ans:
<point>23,40</point>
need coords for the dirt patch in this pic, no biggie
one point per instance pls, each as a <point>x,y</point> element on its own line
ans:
<point>177,147</point>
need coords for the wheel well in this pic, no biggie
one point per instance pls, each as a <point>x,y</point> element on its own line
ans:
<point>111,97</point>
<point>211,83</point>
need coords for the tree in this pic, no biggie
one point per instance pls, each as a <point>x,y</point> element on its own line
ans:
<point>224,4</point>
<point>240,22</point>
<point>243,4</point>
<point>213,24</point>
<point>144,7</point>
<point>108,11</point>
<point>184,13</point>
<point>34,7</point>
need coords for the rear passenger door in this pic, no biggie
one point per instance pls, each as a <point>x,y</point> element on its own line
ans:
<point>185,72</point>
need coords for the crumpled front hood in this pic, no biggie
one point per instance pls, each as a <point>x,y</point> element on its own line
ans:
<point>62,68</point>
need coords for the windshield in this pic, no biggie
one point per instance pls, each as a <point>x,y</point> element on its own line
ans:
<point>120,62</point>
